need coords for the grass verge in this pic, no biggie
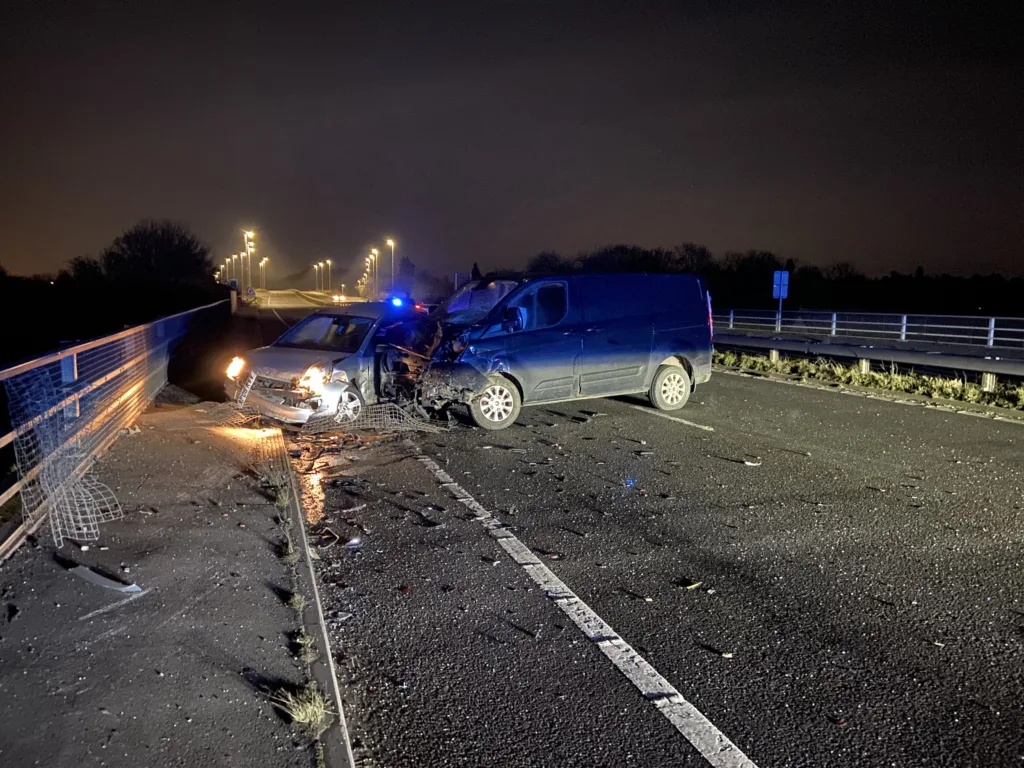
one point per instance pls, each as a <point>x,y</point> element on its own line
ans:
<point>1007,395</point>
<point>307,708</point>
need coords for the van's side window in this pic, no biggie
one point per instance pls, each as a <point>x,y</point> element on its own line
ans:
<point>543,307</point>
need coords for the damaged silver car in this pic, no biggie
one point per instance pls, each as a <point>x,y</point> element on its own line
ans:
<point>324,366</point>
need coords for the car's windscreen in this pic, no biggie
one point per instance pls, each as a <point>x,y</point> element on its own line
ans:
<point>333,333</point>
<point>474,300</point>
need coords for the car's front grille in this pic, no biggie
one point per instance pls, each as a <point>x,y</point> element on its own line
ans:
<point>265,383</point>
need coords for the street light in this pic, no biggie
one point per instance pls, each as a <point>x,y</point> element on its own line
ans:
<point>328,275</point>
<point>321,265</point>
<point>250,248</point>
<point>234,269</point>
<point>316,277</point>
<point>376,268</point>
<point>391,243</point>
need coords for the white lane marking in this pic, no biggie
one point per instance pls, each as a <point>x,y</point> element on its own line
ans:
<point>653,412</point>
<point>286,325</point>
<point>118,604</point>
<point>712,744</point>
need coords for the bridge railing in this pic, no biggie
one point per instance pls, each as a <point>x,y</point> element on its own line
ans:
<point>955,330</point>
<point>66,408</point>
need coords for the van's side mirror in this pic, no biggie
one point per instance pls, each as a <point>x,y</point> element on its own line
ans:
<point>513,319</point>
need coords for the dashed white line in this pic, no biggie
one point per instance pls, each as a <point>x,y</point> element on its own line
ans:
<point>653,412</point>
<point>712,744</point>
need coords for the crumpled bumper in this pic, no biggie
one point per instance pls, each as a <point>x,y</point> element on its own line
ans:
<point>270,405</point>
<point>451,383</point>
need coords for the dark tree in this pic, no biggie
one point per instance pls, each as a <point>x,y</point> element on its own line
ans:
<point>548,262</point>
<point>85,269</point>
<point>158,251</point>
<point>475,274</point>
<point>691,257</point>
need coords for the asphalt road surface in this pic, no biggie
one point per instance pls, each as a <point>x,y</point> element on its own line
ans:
<point>829,580</point>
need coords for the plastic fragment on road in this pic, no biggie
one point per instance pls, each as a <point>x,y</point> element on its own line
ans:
<point>749,463</point>
<point>353,543</point>
<point>94,577</point>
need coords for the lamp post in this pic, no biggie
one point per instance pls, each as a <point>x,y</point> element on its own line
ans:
<point>328,263</point>
<point>250,249</point>
<point>391,243</point>
<point>234,269</point>
<point>321,265</point>
<point>316,277</point>
<point>376,268</point>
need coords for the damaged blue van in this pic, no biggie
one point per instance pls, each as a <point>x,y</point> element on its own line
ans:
<point>542,340</point>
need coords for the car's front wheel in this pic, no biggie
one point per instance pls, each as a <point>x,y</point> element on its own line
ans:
<point>671,388</point>
<point>350,405</point>
<point>497,406</point>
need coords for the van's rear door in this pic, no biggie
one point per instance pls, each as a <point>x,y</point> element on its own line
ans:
<point>617,329</point>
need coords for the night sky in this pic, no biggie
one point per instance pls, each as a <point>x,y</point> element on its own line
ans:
<point>884,134</point>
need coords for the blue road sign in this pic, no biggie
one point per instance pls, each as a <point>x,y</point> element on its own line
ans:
<point>780,286</point>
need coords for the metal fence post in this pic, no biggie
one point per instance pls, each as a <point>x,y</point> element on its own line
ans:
<point>991,332</point>
<point>833,324</point>
<point>903,328</point>
<point>732,312</point>
<point>68,377</point>
<point>778,320</point>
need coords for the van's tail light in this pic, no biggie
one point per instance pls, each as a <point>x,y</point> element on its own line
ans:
<point>711,322</point>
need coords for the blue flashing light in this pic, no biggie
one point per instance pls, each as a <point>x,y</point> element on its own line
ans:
<point>396,302</point>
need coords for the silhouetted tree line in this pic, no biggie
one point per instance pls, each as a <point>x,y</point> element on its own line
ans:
<point>744,281</point>
<point>154,269</point>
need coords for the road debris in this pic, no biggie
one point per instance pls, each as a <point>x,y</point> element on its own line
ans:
<point>101,580</point>
<point>749,463</point>
<point>636,595</point>
<point>328,538</point>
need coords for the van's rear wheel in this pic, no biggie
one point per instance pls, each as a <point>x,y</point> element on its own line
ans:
<point>497,406</point>
<point>671,388</point>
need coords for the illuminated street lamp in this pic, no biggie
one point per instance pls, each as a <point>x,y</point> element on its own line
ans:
<point>316,277</point>
<point>234,269</point>
<point>250,249</point>
<point>321,265</point>
<point>391,243</point>
<point>328,262</point>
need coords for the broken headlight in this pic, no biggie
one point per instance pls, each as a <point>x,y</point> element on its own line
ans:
<point>235,368</point>
<point>313,380</point>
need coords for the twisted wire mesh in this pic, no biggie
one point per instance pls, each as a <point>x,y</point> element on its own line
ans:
<point>67,410</point>
<point>379,417</point>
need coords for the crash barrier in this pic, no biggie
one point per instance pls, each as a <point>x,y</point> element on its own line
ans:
<point>989,367</point>
<point>68,407</point>
<point>910,330</point>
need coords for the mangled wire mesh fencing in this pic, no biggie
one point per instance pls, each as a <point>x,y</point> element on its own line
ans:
<point>379,417</point>
<point>68,407</point>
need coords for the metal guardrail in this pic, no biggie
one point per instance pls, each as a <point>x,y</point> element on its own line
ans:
<point>958,330</point>
<point>989,366</point>
<point>67,408</point>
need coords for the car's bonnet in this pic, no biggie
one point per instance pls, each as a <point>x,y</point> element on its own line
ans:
<point>286,363</point>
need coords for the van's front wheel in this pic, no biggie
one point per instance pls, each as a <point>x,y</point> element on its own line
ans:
<point>497,406</point>
<point>670,389</point>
